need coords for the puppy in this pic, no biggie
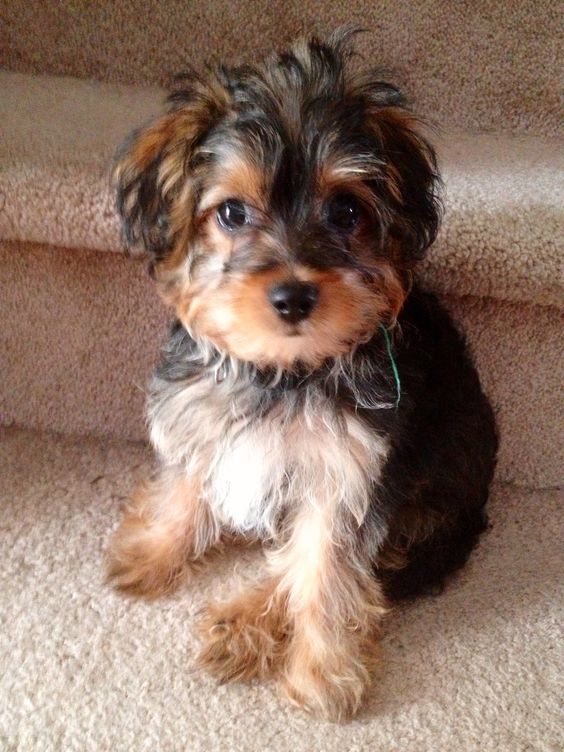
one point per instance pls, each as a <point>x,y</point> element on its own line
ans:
<point>310,395</point>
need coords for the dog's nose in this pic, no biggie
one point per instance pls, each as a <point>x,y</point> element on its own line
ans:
<point>293,301</point>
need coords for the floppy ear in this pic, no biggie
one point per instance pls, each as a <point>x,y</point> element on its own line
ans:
<point>153,166</point>
<point>411,183</point>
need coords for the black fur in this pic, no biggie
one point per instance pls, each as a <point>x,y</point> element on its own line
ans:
<point>339,117</point>
<point>443,434</point>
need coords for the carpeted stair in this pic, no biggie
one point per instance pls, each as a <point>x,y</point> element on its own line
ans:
<point>474,670</point>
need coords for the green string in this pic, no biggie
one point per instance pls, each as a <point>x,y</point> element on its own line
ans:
<point>393,363</point>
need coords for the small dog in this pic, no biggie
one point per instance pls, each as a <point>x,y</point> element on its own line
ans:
<point>309,395</point>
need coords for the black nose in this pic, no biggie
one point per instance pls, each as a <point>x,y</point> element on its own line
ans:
<point>293,301</point>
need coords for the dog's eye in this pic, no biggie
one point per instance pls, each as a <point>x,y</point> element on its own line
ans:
<point>343,212</point>
<point>233,214</point>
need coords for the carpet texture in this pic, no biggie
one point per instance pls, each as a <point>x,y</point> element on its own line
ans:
<point>86,670</point>
<point>480,65</point>
<point>498,239</point>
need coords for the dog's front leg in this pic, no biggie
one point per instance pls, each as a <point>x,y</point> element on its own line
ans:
<point>166,528</point>
<point>313,620</point>
<point>335,605</point>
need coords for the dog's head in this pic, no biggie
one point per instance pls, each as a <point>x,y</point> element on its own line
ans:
<point>282,205</point>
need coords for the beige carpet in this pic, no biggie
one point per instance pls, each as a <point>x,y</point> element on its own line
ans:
<point>476,670</point>
<point>489,65</point>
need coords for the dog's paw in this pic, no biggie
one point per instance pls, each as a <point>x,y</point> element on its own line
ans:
<point>244,638</point>
<point>330,689</point>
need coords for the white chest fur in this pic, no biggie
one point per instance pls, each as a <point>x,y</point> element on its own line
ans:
<point>253,469</point>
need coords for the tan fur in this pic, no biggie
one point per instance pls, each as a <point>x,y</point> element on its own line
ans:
<point>315,624</point>
<point>195,228</point>
<point>336,605</point>
<point>238,177</point>
<point>237,316</point>
<point>315,621</point>
<point>234,312</point>
<point>246,637</point>
<point>165,527</point>
<point>167,141</point>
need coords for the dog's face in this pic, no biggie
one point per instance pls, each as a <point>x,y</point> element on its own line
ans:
<point>282,205</point>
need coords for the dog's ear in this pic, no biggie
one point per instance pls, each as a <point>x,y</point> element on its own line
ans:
<point>154,165</point>
<point>411,186</point>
